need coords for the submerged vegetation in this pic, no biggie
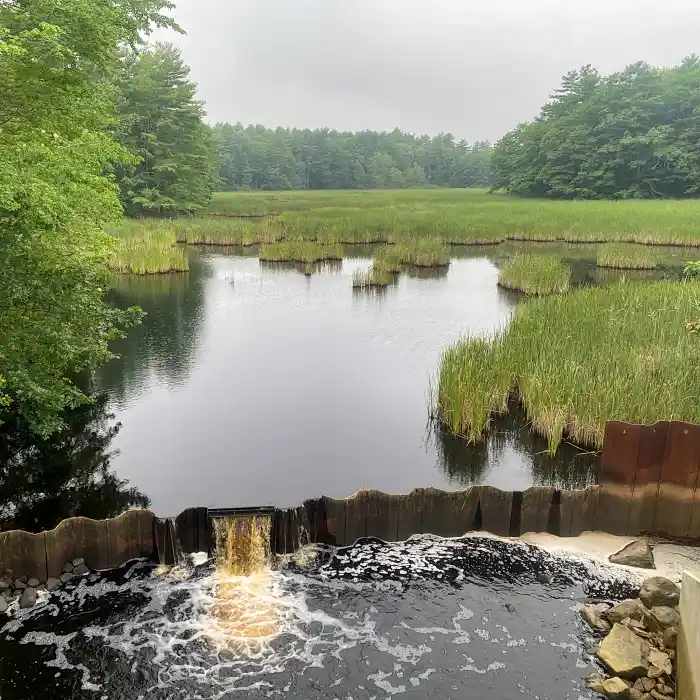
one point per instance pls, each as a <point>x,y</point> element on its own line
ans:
<point>578,360</point>
<point>536,275</point>
<point>623,256</point>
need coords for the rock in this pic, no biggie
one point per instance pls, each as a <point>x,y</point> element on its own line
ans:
<point>657,591</point>
<point>9,574</point>
<point>68,567</point>
<point>508,606</point>
<point>644,684</point>
<point>3,605</point>
<point>52,584</point>
<point>665,689</point>
<point>81,570</point>
<point>23,579</point>
<point>68,576</point>
<point>78,562</point>
<point>638,554</point>
<point>657,695</point>
<point>4,585</point>
<point>544,577</point>
<point>594,682</point>
<point>632,609</point>
<point>28,599</point>
<point>616,688</point>
<point>624,653</point>
<point>659,660</point>
<point>662,617</point>
<point>593,616</point>
<point>20,585</point>
<point>34,583</point>
<point>635,694</point>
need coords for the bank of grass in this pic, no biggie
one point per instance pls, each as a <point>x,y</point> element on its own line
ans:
<point>147,247</point>
<point>625,256</point>
<point>300,252</point>
<point>372,278</point>
<point>419,253</point>
<point>622,352</point>
<point>535,275</point>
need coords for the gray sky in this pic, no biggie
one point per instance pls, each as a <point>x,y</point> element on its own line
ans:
<point>471,67</point>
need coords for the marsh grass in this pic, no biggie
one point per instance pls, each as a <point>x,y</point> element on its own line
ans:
<point>578,360</point>
<point>300,252</point>
<point>535,275</point>
<point>625,256</point>
<point>373,277</point>
<point>147,247</point>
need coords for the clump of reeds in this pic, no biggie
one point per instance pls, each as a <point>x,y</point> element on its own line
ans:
<point>625,256</point>
<point>227,231</point>
<point>536,275</point>
<point>147,246</point>
<point>429,253</point>
<point>578,360</point>
<point>373,277</point>
<point>300,252</point>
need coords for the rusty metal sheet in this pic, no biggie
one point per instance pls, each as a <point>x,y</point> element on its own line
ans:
<point>535,508</point>
<point>382,515</point>
<point>650,460</point>
<point>410,514</point>
<point>679,477</point>
<point>620,450</point>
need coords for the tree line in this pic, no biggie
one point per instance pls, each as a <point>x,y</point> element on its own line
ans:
<point>631,134</point>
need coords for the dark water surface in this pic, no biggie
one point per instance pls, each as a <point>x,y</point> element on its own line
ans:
<point>251,384</point>
<point>472,618</point>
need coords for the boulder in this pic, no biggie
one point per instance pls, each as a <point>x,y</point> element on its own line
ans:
<point>638,554</point>
<point>663,617</point>
<point>68,576</point>
<point>657,695</point>
<point>68,567</point>
<point>665,689</point>
<point>671,638</point>
<point>659,660</point>
<point>20,585</point>
<point>4,585</point>
<point>593,615</point>
<point>594,682</point>
<point>624,653</point>
<point>636,695</point>
<point>52,584</point>
<point>28,599</point>
<point>659,591</point>
<point>632,609</point>
<point>3,605</point>
<point>81,570</point>
<point>644,685</point>
<point>34,583</point>
<point>616,689</point>
<point>78,562</point>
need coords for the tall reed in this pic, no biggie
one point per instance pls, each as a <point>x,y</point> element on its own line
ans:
<point>535,275</point>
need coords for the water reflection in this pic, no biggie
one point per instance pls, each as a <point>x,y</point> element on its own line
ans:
<point>511,442</point>
<point>306,269</point>
<point>44,481</point>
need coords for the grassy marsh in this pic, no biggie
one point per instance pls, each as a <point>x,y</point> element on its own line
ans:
<point>624,256</point>
<point>373,277</point>
<point>577,360</point>
<point>535,275</point>
<point>147,247</point>
<point>300,252</point>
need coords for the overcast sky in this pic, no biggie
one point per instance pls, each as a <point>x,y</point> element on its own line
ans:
<point>474,68</point>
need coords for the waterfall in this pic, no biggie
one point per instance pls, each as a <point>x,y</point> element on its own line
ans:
<point>242,543</point>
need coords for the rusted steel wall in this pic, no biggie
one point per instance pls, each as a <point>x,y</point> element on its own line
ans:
<point>649,480</point>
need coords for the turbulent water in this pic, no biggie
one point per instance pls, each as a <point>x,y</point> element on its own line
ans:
<point>429,618</point>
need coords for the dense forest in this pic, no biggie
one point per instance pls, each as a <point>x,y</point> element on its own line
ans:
<point>255,157</point>
<point>632,134</point>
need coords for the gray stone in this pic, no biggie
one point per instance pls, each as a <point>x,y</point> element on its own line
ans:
<point>665,689</point>
<point>657,695</point>
<point>663,617</point>
<point>644,684</point>
<point>20,585</point>
<point>52,584</point>
<point>624,653</point>
<point>592,614</point>
<point>78,562</point>
<point>635,694</point>
<point>28,599</point>
<point>23,579</point>
<point>671,638</point>
<point>3,605</point>
<point>34,583</point>
<point>638,554</point>
<point>68,576</point>
<point>659,660</point>
<point>4,584</point>
<point>632,609</point>
<point>657,591</point>
<point>81,570</point>
<point>68,567</point>
<point>594,682</point>
<point>616,689</point>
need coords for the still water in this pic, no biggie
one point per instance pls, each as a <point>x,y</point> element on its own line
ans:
<point>251,384</point>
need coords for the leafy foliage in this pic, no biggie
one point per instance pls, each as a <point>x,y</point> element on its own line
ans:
<point>258,158</point>
<point>632,134</point>
<point>57,105</point>
<point>161,122</point>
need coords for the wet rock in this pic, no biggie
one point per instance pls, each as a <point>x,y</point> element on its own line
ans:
<point>20,585</point>
<point>644,684</point>
<point>68,576</point>
<point>616,689</point>
<point>593,615</point>
<point>624,653</point>
<point>4,585</point>
<point>3,605</point>
<point>638,554</point>
<point>52,584</point>
<point>671,638</point>
<point>632,609</point>
<point>510,608</point>
<point>68,567</point>
<point>81,570</point>
<point>594,682</point>
<point>663,617</point>
<point>33,583</point>
<point>659,664</point>
<point>28,599</point>
<point>78,562</point>
<point>544,577</point>
<point>665,689</point>
<point>659,591</point>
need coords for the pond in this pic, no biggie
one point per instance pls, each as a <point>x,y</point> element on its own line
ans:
<point>251,384</point>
